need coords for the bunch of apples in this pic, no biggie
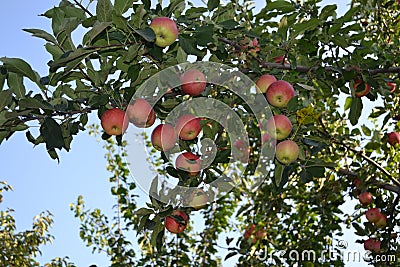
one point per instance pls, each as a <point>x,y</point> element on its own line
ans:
<point>279,127</point>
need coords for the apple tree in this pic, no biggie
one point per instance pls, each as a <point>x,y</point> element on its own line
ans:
<point>293,110</point>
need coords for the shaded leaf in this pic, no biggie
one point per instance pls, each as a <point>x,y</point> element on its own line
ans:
<point>104,10</point>
<point>98,27</point>
<point>52,134</point>
<point>355,110</point>
<point>280,5</point>
<point>147,33</point>
<point>16,84</point>
<point>19,66</point>
<point>229,24</point>
<point>212,4</point>
<point>5,98</point>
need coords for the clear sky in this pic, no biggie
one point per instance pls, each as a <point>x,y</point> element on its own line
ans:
<point>41,183</point>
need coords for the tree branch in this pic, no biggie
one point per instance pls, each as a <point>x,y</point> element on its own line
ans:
<point>83,8</point>
<point>304,69</point>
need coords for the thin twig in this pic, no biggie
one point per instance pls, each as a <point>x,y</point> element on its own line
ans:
<point>84,8</point>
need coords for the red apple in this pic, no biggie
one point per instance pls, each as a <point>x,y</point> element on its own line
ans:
<point>279,59</point>
<point>241,152</point>
<point>198,199</point>
<point>189,162</point>
<point>372,245</point>
<point>141,114</point>
<point>193,82</point>
<point>373,215</point>
<point>176,222</point>
<point>361,88</point>
<point>287,151</point>
<point>279,127</point>
<point>279,93</point>
<point>365,198</point>
<point>381,222</point>
<point>188,127</point>
<point>165,30</point>
<point>357,183</point>
<point>249,231</point>
<point>164,137</point>
<point>114,121</point>
<point>264,82</point>
<point>393,138</point>
<point>392,86</point>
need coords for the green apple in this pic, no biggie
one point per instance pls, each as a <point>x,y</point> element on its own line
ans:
<point>287,152</point>
<point>165,30</point>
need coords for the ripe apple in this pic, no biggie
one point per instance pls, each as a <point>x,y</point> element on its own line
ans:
<point>393,138</point>
<point>188,127</point>
<point>164,137</point>
<point>114,121</point>
<point>198,199</point>
<point>279,127</point>
<point>264,82</point>
<point>279,59</point>
<point>141,114</point>
<point>381,222</point>
<point>176,222</point>
<point>392,86</point>
<point>365,198</point>
<point>249,231</point>
<point>372,245</point>
<point>279,93</point>
<point>287,151</point>
<point>189,162</point>
<point>373,215</point>
<point>165,30</point>
<point>193,82</point>
<point>241,152</point>
<point>361,88</point>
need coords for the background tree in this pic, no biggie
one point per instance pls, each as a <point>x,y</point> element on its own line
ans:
<point>326,57</point>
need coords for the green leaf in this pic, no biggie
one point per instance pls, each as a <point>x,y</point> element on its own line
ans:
<point>121,6</point>
<point>229,24</point>
<point>299,28</point>
<point>19,66</point>
<point>280,5</point>
<point>104,10</point>
<point>5,98</point>
<point>147,33</point>
<point>33,103</point>
<point>328,11</point>
<point>69,56</point>
<point>52,134</point>
<point>355,110</point>
<point>16,84</point>
<point>189,46</point>
<point>212,4</point>
<point>366,130</point>
<point>157,236</point>
<point>42,34</point>
<point>181,55</point>
<point>348,102</point>
<point>98,27</point>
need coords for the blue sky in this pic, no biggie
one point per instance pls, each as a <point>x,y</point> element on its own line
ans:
<point>41,183</point>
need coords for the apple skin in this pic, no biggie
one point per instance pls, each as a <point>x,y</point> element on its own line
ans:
<point>279,93</point>
<point>257,235</point>
<point>264,82</point>
<point>373,215</point>
<point>198,199</point>
<point>372,245</point>
<point>279,127</point>
<point>176,226</point>
<point>114,121</point>
<point>188,127</point>
<point>393,138</point>
<point>164,137</point>
<point>287,152</point>
<point>188,162</point>
<point>141,114</point>
<point>363,90</point>
<point>279,59</point>
<point>392,86</point>
<point>365,198</point>
<point>242,152</point>
<point>165,30</point>
<point>382,221</point>
<point>193,82</point>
